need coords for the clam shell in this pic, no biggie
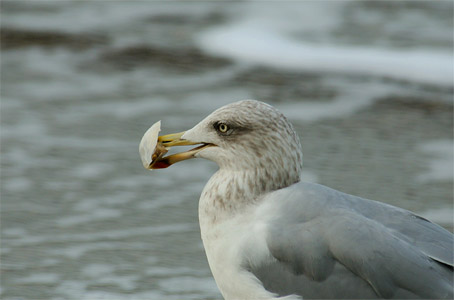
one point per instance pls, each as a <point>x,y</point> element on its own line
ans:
<point>148,148</point>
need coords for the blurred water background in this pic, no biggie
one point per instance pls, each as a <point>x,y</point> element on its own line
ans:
<point>368,86</point>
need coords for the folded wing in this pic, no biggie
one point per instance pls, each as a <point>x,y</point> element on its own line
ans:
<point>327,244</point>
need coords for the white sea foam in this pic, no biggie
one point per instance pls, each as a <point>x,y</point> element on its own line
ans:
<point>104,274</point>
<point>14,232</point>
<point>72,289</point>
<point>248,43</point>
<point>63,67</point>
<point>91,203</point>
<point>187,284</point>
<point>124,282</point>
<point>91,170</point>
<point>441,161</point>
<point>78,250</point>
<point>346,103</point>
<point>155,204</point>
<point>173,271</point>
<point>17,184</point>
<point>39,278</point>
<point>93,216</point>
<point>106,235</point>
<point>95,270</point>
<point>29,126</point>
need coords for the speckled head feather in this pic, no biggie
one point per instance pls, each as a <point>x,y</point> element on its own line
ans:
<point>257,150</point>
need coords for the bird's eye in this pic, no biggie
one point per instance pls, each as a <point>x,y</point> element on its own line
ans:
<point>223,128</point>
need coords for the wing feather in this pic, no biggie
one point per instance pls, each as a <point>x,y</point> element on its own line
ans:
<point>318,236</point>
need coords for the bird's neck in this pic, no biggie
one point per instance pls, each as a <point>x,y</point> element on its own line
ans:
<point>230,192</point>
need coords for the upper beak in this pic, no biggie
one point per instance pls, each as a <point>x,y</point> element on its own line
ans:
<point>171,140</point>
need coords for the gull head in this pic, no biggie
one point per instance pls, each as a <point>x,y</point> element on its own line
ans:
<point>246,135</point>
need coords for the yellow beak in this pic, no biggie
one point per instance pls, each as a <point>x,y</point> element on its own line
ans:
<point>171,140</point>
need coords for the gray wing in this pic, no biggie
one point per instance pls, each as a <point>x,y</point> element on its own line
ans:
<point>327,244</point>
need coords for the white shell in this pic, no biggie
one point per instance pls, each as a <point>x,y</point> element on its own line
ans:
<point>148,144</point>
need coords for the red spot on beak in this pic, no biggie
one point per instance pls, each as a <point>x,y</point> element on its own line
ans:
<point>161,165</point>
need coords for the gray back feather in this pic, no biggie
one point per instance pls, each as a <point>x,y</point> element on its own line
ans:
<point>327,244</point>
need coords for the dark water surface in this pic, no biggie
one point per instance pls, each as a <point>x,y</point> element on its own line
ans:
<point>368,86</point>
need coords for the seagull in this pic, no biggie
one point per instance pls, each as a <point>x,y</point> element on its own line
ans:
<point>269,235</point>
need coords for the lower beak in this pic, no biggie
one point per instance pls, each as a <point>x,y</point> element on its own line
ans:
<point>171,140</point>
